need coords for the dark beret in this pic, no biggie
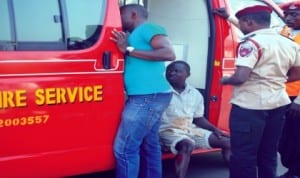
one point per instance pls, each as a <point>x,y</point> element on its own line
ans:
<point>253,9</point>
<point>290,6</point>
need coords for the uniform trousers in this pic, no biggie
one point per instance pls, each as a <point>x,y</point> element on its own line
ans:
<point>289,145</point>
<point>254,141</point>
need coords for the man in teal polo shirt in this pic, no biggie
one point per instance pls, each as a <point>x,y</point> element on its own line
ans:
<point>137,150</point>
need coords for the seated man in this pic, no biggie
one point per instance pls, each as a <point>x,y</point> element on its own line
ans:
<point>183,126</point>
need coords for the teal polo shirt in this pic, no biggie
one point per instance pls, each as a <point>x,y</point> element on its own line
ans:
<point>144,76</point>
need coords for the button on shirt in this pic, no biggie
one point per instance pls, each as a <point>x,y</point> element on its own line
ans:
<point>184,107</point>
<point>265,88</point>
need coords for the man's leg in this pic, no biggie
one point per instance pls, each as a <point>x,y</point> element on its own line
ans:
<point>182,159</point>
<point>129,137</point>
<point>180,145</point>
<point>295,168</point>
<point>223,143</point>
<point>246,127</point>
<point>150,163</point>
<point>150,149</point>
<point>267,154</point>
<point>290,150</point>
<point>289,145</point>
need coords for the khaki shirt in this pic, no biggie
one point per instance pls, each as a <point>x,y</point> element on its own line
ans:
<point>265,88</point>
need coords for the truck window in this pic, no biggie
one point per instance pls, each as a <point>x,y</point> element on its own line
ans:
<point>85,20</point>
<point>33,30</point>
<point>50,25</point>
<point>5,33</point>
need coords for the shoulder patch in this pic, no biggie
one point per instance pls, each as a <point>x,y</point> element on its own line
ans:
<point>245,50</point>
<point>247,45</point>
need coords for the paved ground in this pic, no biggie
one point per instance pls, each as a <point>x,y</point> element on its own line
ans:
<point>209,165</point>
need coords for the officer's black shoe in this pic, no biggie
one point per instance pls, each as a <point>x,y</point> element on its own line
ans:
<point>288,175</point>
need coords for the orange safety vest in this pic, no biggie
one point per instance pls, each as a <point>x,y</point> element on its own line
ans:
<point>292,88</point>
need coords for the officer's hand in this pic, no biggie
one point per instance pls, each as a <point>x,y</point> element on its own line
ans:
<point>294,110</point>
<point>222,12</point>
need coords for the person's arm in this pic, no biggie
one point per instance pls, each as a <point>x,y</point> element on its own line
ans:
<point>222,12</point>
<point>294,74</point>
<point>234,21</point>
<point>240,75</point>
<point>203,123</point>
<point>162,48</point>
<point>248,54</point>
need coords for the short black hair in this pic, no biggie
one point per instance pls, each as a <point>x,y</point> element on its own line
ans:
<point>141,9</point>
<point>262,18</point>
<point>186,65</point>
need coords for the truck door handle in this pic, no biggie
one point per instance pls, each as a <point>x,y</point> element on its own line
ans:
<point>106,59</point>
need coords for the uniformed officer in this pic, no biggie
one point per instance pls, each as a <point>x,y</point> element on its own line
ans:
<point>259,98</point>
<point>289,147</point>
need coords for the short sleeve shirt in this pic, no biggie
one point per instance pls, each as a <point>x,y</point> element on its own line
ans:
<point>265,88</point>
<point>183,108</point>
<point>145,76</point>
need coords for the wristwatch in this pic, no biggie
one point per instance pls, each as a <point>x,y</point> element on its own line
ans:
<point>129,49</point>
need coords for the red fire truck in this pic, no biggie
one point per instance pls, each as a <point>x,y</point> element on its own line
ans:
<point>62,91</point>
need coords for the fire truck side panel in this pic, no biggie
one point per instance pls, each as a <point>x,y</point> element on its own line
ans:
<point>60,109</point>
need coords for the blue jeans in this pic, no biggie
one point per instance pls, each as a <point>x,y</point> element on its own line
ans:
<point>254,141</point>
<point>136,148</point>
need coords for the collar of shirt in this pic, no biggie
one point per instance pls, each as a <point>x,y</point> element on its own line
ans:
<point>264,30</point>
<point>187,89</point>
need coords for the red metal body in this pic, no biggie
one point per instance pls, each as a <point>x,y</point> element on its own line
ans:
<point>59,110</point>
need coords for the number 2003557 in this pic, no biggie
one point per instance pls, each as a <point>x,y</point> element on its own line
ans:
<point>24,121</point>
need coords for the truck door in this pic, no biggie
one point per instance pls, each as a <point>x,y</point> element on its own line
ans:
<point>61,91</point>
<point>190,26</point>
